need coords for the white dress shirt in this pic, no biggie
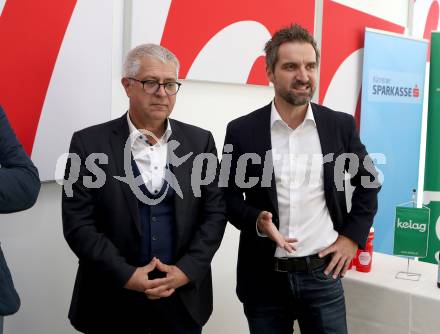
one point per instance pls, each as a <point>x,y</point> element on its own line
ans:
<point>299,178</point>
<point>151,160</point>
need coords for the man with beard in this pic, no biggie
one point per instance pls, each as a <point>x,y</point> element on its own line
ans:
<point>296,237</point>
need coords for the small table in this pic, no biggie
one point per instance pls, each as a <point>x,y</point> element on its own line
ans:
<point>379,303</point>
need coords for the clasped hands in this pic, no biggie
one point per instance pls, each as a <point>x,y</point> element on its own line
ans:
<point>343,249</point>
<point>159,287</point>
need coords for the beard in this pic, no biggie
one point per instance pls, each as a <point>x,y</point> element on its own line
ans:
<point>298,99</point>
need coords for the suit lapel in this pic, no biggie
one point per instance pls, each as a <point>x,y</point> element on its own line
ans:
<point>117,141</point>
<point>325,128</point>
<point>181,183</point>
<point>263,143</point>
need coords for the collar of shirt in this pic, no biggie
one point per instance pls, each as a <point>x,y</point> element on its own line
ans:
<point>276,118</point>
<point>139,136</point>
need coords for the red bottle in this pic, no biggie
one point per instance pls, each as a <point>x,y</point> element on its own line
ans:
<point>365,256</point>
<point>353,262</point>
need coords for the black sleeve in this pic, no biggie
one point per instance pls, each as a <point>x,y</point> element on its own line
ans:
<point>207,238</point>
<point>367,186</point>
<point>240,214</point>
<point>79,225</point>
<point>19,181</point>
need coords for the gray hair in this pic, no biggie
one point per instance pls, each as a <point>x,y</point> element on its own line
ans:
<point>132,60</point>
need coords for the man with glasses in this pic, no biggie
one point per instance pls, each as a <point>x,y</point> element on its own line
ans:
<point>143,238</point>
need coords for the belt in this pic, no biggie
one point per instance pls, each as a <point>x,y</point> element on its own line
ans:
<point>299,264</point>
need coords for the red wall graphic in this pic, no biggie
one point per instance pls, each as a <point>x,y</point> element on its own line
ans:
<point>192,23</point>
<point>431,24</point>
<point>342,34</point>
<point>31,33</point>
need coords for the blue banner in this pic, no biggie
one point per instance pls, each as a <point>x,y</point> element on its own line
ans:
<point>391,120</point>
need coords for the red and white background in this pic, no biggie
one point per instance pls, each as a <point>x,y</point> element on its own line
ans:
<point>227,45</point>
<point>219,41</point>
<point>55,73</point>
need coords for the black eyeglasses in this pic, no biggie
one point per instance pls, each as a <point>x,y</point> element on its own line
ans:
<point>153,86</point>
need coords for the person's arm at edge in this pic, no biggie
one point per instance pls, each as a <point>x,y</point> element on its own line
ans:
<point>19,180</point>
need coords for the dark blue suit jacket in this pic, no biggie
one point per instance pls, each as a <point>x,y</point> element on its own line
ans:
<point>19,188</point>
<point>19,181</point>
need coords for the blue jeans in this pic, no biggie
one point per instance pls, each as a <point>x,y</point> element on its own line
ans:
<point>316,301</point>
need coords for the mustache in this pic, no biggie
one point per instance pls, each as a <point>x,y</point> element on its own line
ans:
<point>299,83</point>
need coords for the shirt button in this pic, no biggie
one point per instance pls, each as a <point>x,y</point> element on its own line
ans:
<point>155,167</point>
<point>153,219</point>
<point>156,191</point>
<point>155,237</point>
